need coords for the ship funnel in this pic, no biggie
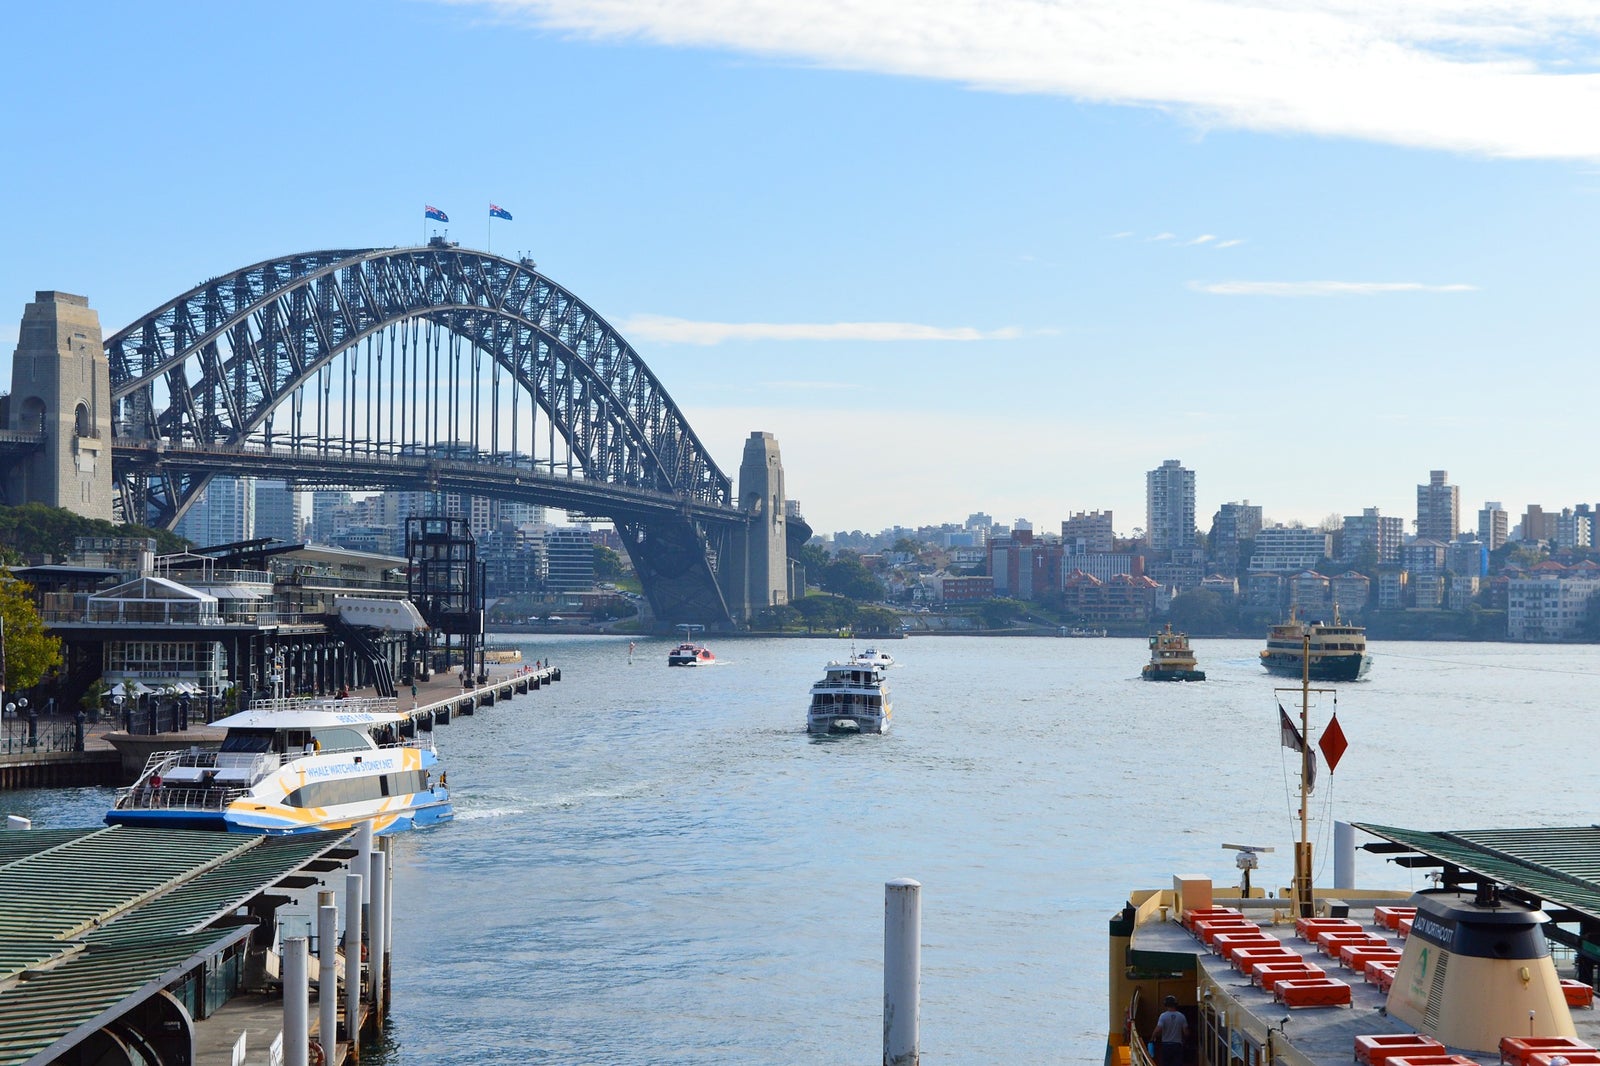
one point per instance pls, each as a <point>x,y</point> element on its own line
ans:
<point>1476,969</point>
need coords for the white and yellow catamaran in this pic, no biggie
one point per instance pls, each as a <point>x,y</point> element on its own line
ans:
<point>296,766</point>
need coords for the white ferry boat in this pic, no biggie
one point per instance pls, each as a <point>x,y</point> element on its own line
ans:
<point>690,653</point>
<point>852,697</point>
<point>295,766</point>
<point>873,657</point>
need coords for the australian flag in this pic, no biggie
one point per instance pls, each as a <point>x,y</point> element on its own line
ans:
<point>496,211</point>
<point>429,211</point>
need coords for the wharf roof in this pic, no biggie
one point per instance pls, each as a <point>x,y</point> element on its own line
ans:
<point>1551,865</point>
<point>94,921</point>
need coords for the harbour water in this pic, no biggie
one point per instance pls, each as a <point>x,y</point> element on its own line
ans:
<point>661,866</point>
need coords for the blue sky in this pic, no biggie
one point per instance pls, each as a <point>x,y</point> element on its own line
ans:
<point>1001,256</point>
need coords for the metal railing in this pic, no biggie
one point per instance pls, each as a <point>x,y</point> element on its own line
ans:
<point>22,736</point>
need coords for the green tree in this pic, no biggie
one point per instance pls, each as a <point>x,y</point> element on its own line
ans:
<point>1199,611</point>
<point>814,557</point>
<point>848,576</point>
<point>35,529</point>
<point>907,546</point>
<point>1000,613</point>
<point>877,620</point>
<point>607,564</point>
<point>824,612</point>
<point>30,652</point>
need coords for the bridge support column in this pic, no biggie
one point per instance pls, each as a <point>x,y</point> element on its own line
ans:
<point>755,576</point>
<point>61,387</point>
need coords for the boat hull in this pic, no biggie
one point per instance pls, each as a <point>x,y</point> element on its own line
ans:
<point>1174,675</point>
<point>844,723</point>
<point>1323,667</point>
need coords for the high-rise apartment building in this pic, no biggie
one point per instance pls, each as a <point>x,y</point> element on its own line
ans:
<point>1233,523</point>
<point>225,513</point>
<point>1087,532</point>
<point>1169,507</point>
<point>1438,508</point>
<point>1380,534</point>
<point>1537,525</point>
<point>1493,525</point>
<point>277,511</point>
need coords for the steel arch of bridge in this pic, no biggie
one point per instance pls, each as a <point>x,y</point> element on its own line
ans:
<point>207,373</point>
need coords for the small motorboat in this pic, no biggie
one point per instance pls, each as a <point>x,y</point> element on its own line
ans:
<point>873,657</point>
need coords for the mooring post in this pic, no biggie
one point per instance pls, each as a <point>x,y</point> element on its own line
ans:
<point>902,971</point>
<point>328,973</point>
<point>363,861</point>
<point>296,1002</point>
<point>352,963</point>
<point>378,927</point>
<point>17,821</point>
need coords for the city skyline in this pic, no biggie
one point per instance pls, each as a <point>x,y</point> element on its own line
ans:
<point>1314,254</point>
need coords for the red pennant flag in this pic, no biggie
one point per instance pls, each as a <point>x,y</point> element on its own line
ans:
<point>1333,743</point>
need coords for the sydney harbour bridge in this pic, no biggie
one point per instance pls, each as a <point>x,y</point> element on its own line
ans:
<point>433,368</point>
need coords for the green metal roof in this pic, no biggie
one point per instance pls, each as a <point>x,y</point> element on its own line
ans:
<point>1560,866</point>
<point>21,844</point>
<point>67,890</point>
<point>94,921</point>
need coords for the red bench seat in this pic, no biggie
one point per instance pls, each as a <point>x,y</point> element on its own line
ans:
<point>1373,1050</point>
<point>1312,992</point>
<point>1514,1050</point>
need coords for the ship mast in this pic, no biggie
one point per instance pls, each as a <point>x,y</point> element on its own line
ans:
<point>1301,887</point>
<point>1302,849</point>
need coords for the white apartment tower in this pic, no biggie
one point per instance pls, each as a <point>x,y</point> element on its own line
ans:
<point>1494,524</point>
<point>1169,507</point>
<point>1438,508</point>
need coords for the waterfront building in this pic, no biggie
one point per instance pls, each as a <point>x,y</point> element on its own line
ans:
<point>1463,588</point>
<point>1424,556</point>
<point>1023,568</point>
<point>1493,524</point>
<point>1087,532</point>
<point>1232,524</point>
<point>1169,507</point>
<point>1289,548</point>
<point>1392,587</point>
<point>1427,591</point>
<point>1123,599</point>
<point>330,514</point>
<point>1467,557</point>
<point>1223,585</point>
<point>1438,508</point>
<point>1551,602</point>
<point>1265,589</point>
<point>1350,590</point>
<point>1380,534</point>
<point>966,588</point>
<point>1181,569</point>
<point>1311,596</point>
<point>514,560</point>
<point>571,559</point>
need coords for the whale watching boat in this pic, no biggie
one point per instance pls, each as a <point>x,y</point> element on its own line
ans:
<point>852,697</point>
<point>1459,974</point>
<point>689,653</point>
<point>295,766</point>
<point>1171,658</point>
<point>1336,652</point>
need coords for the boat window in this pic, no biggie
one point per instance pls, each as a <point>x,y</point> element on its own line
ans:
<point>340,738</point>
<point>247,740</point>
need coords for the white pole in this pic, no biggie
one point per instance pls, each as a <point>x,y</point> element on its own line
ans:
<point>388,845</point>
<point>902,971</point>
<point>328,982</point>
<point>296,1002</point>
<point>364,856</point>
<point>376,928</point>
<point>1344,855</point>
<point>352,959</point>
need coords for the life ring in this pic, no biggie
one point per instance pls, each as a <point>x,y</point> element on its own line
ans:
<point>315,1056</point>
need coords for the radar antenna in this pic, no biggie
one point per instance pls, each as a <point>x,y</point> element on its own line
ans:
<point>1247,860</point>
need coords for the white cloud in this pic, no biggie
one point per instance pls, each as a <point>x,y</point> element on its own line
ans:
<point>1230,243</point>
<point>1491,77</point>
<point>1320,288</point>
<point>665,330</point>
<point>1163,237</point>
<point>1204,238</point>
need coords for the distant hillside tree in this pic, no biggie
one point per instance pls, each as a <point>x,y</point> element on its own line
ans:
<point>35,529</point>
<point>824,612</point>
<point>847,576</point>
